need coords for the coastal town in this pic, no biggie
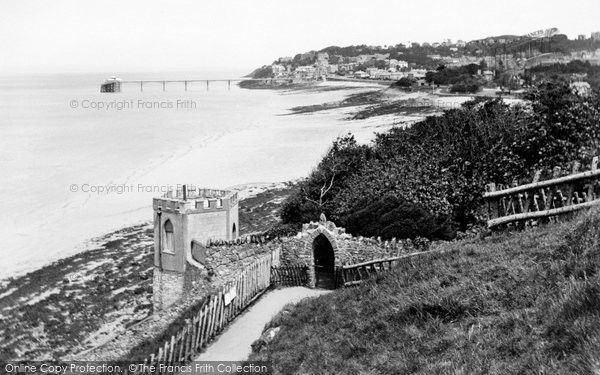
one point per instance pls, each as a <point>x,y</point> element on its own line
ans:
<point>501,61</point>
<point>260,187</point>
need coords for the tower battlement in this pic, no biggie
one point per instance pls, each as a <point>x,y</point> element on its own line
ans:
<point>192,200</point>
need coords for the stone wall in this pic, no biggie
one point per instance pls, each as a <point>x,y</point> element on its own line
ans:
<point>225,259</point>
<point>347,249</point>
<point>166,288</point>
<point>120,347</point>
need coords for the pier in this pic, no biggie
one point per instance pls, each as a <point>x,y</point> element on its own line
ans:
<point>115,85</point>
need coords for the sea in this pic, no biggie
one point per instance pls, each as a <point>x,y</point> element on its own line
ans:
<point>76,163</point>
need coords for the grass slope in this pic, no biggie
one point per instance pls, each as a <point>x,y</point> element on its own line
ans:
<point>526,302</point>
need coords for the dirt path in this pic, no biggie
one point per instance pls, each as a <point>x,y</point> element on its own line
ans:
<point>234,343</point>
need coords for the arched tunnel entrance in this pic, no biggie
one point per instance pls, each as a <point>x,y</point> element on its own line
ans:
<point>324,263</point>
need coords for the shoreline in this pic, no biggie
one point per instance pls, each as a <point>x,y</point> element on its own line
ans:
<point>79,301</point>
<point>382,99</point>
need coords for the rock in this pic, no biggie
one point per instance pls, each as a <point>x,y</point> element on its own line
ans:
<point>265,339</point>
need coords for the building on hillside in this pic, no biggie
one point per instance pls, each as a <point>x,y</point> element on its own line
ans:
<point>347,67</point>
<point>581,37</point>
<point>581,88</point>
<point>398,75</point>
<point>185,220</point>
<point>488,75</point>
<point>461,43</point>
<point>361,59</point>
<point>323,57</point>
<point>374,73</point>
<point>361,74</point>
<point>418,73</point>
<point>394,64</point>
<point>278,70</point>
<point>385,75</point>
<point>402,64</point>
<point>306,72</point>
<point>285,59</point>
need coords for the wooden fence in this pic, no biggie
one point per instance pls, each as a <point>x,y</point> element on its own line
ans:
<point>289,276</point>
<point>355,274</point>
<point>215,314</point>
<point>542,201</point>
<point>222,307</point>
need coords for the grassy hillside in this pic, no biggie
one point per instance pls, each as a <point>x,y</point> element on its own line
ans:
<point>521,302</point>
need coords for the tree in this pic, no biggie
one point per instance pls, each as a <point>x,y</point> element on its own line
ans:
<point>404,82</point>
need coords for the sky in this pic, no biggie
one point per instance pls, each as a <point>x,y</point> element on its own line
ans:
<point>40,36</point>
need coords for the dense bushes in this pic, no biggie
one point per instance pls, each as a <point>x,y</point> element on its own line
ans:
<point>589,72</point>
<point>404,82</point>
<point>265,71</point>
<point>396,217</point>
<point>435,171</point>
<point>462,79</point>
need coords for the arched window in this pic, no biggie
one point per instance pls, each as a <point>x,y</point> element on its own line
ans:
<point>169,247</point>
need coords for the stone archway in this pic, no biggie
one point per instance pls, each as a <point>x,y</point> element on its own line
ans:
<point>324,262</point>
<point>321,249</point>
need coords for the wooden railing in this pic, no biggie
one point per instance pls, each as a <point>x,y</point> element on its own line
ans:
<point>222,307</point>
<point>289,276</point>
<point>542,201</point>
<point>355,274</point>
<point>219,309</point>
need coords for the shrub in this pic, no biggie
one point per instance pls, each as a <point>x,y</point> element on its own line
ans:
<point>404,82</point>
<point>395,217</point>
<point>442,164</point>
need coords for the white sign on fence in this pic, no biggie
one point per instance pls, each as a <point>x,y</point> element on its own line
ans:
<point>230,295</point>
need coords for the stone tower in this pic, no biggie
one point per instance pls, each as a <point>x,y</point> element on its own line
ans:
<point>184,220</point>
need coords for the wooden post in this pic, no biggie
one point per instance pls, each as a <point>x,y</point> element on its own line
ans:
<point>206,85</point>
<point>163,85</point>
<point>229,85</point>
<point>185,83</point>
<point>141,86</point>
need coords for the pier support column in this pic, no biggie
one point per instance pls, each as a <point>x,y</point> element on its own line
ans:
<point>185,82</point>
<point>229,85</point>
<point>207,85</point>
<point>163,85</point>
<point>141,86</point>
